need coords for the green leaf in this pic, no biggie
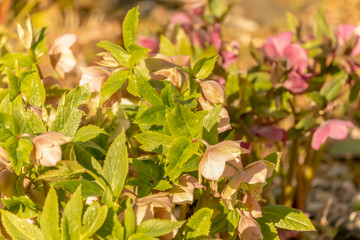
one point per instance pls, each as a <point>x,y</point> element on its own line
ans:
<point>321,28</point>
<point>65,170</point>
<point>71,221</point>
<point>166,47</point>
<point>39,48</point>
<point>118,52</point>
<point>152,116</point>
<point>287,218</point>
<point>161,185</point>
<point>129,26</point>
<point>22,206</point>
<point>14,84</point>
<point>112,84</point>
<point>28,122</point>
<point>116,164</point>
<point>181,150</point>
<point>88,188</point>
<point>146,91</point>
<point>129,219</point>
<point>18,152</point>
<point>292,23</point>
<point>183,45</point>
<point>33,89</point>
<point>49,219</point>
<point>232,87</point>
<point>87,133</point>
<point>137,53</point>
<point>204,67</point>
<point>333,86</point>
<point>167,95</point>
<point>21,59</point>
<point>77,96</point>
<point>210,125</point>
<point>151,141</point>
<point>141,236</point>
<point>183,122</point>
<point>94,218</point>
<point>268,229</point>
<point>233,222</point>
<point>8,127</point>
<point>158,227</point>
<point>273,158</point>
<point>199,224</point>
<point>19,228</point>
<point>66,121</point>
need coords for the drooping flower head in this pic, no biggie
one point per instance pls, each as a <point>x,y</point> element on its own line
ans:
<point>95,76</point>
<point>344,34</point>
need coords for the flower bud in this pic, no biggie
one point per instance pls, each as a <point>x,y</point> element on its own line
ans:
<point>248,228</point>
<point>213,92</point>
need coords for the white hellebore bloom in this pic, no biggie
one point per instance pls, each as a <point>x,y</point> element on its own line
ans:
<point>48,150</point>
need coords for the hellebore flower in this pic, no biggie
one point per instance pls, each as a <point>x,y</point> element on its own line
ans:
<point>248,228</point>
<point>61,56</point>
<point>95,76</point>
<point>184,191</point>
<point>344,34</point>
<point>253,173</point>
<point>163,67</point>
<point>296,57</point>
<point>336,129</point>
<point>48,150</point>
<point>212,163</point>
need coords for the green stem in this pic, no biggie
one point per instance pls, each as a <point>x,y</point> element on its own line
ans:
<point>293,162</point>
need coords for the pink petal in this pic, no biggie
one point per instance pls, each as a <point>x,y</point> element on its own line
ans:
<point>320,136</point>
<point>338,128</point>
<point>296,56</point>
<point>216,37</point>
<point>64,41</point>
<point>66,62</point>
<point>181,18</point>
<point>95,76</point>
<point>295,83</point>
<point>274,46</point>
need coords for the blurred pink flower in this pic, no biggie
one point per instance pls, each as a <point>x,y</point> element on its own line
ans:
<point>280,47</point>
<point>344,34</point>
<point>336,129</point>
<point>62,57</point>
<point>215,37</point>
<point>150,43</point>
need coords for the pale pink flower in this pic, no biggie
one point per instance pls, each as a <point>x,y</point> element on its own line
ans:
<point>48,150</point>
<point>94,76</point>
<point>296,56</point>
<point>248,228</point>
<point>212,163</point>
<point>62,57</point>
<point>336,129</point>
